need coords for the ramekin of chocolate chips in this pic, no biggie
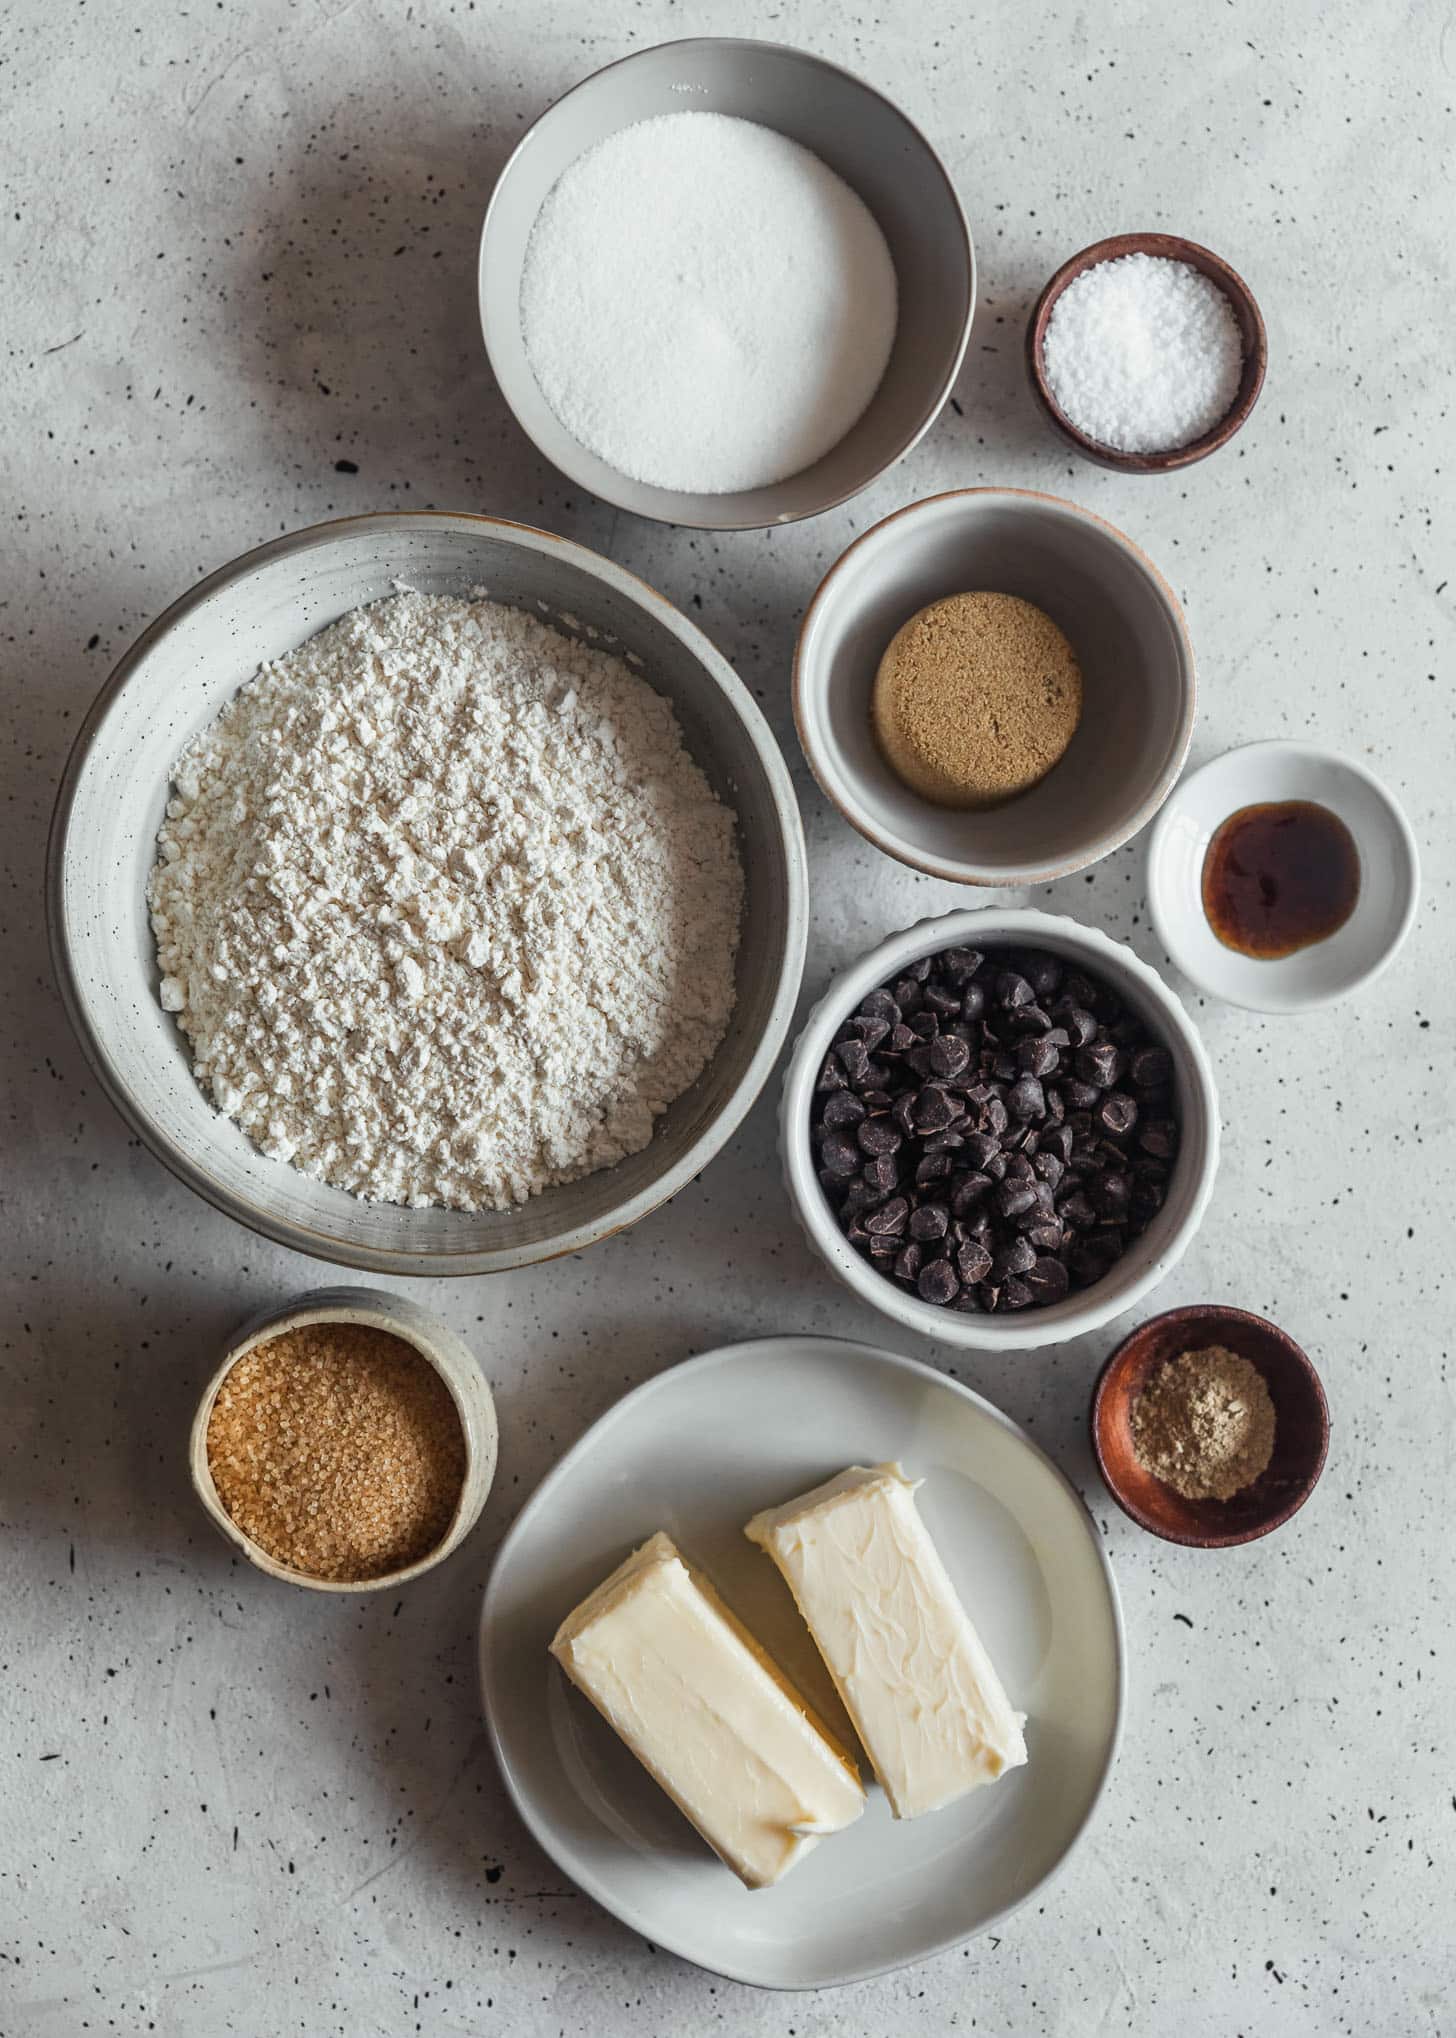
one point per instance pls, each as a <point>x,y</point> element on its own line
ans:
<point>996,1129</point>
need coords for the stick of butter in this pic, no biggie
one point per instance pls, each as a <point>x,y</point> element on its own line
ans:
<point>917,1683</point>
<point>708,1714</point>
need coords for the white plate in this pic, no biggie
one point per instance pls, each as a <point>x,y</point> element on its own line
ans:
<point>1329,969</point>
<point>696,1452</point>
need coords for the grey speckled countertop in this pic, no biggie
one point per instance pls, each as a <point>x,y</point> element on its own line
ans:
<point>239,297</point>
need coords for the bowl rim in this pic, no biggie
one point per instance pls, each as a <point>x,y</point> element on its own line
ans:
<point>1172,247</point>
<point>1209,1313</point>
<point>1159,889</point>
<point>432,1340</point>
<point>934,405</point>
<point>394,1260</point>
<point>1033,1329</point>
<point>960,870</point>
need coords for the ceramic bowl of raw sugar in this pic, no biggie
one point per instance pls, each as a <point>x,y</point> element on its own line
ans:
<point>172,684</point>
<point>866,141</point>
<point>437,1345</point>
<point>1385,906</point>
<point>1123,622</point>
<point>1148,1257</point>
<point>1247,316</point>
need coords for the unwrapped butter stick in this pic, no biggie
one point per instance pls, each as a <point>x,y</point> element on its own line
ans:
<point>708,1714</point>
<point>921,1690</point>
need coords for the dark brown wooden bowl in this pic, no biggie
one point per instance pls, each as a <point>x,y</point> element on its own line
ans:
<point>1251,330</point>
<point>1301,1428</point>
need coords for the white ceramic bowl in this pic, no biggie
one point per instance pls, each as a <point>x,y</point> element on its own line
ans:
<point>451,1358</point>
<point>1123,621</point>
<point>173,682</point>
<point>1330,969</point>
<point>1146,1260</point>
<point>864,140</point>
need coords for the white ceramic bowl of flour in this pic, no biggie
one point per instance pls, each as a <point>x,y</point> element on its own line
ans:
<point>173,683</point>
<point>857,135</point>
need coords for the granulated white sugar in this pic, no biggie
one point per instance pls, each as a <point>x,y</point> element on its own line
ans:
<point>444,906</point>
<point>1143,354</point>
<point>705,305</point>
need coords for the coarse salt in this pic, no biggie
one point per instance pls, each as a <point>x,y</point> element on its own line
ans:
<point>705,305</point>
<point>1143,354</point>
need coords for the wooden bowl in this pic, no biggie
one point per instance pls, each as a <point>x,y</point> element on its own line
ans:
<point>1301,1428</point>
<point>1251,331</point>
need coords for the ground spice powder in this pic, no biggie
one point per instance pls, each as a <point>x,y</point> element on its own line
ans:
<point>338,1449</point>
<point>976,698</point>
<point>1204,1424</point>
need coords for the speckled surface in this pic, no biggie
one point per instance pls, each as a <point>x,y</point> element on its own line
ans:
<point>239,298</point>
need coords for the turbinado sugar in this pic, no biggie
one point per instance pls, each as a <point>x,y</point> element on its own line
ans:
<point>1143,354</point>
<point>705,305</point>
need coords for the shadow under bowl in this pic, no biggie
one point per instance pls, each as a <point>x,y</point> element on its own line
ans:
<point>1301,1428</point>
<point>866,141</point>
<point>1242,302</point>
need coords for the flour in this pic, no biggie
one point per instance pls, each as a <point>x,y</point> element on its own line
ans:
<point>444,906</point>
<point>704,304</point>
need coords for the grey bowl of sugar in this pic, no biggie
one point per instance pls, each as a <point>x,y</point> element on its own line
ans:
<point>855,134</point>
<point>172,684</point>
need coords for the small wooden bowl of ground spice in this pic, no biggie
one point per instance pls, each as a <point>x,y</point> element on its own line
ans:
<point>1210,1426</point>
<point>346,1443</point>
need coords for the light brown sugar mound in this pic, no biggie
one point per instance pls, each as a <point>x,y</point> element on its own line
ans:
<point>338,1449</point>
<point>976,698</point>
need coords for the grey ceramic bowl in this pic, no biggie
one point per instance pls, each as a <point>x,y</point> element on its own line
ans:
<point>865,140</point>
<point>173,682</point>
<point>1123,622</point>
<point>451,1358</point>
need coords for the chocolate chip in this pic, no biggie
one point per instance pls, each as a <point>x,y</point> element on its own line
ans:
<point>840,1157</point>
<point>841,1109</point>
<point>934,1110</point>
<point>1098,1064</point>
<point>1037,1057</point>
<point>880,1005</point>
<point>890,1219</point>
<point>882,1173</point>
<point>973,1001</point>
<point>960,964</point>
<point>969,1191</point>
<point>930,1222</point>
<point>1014,1197</point>
<point>1016,1258</point>
<point>1048,1280</point>
<point>949,1057</point>
<point>1013,990</point>
<point>1117,1114</point>
<point>935,1167</point>
<point>878,1136</point>
<point>831,1076</point>
<point>1026,1099</point>
<point>938,1282</point>
<point>1150,1068</point>
<point>1159,1136</point>
<point>907,1261</point>
<point>973,1260</point>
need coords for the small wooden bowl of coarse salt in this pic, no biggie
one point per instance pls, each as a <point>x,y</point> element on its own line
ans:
<point>1210,1426</point>
<point>1146,352</point>
<point>346,1443</point>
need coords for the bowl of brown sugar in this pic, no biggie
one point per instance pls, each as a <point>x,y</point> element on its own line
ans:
<point>1210,1426</point>
<point>346,1442</point>
<point>995,687</point>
